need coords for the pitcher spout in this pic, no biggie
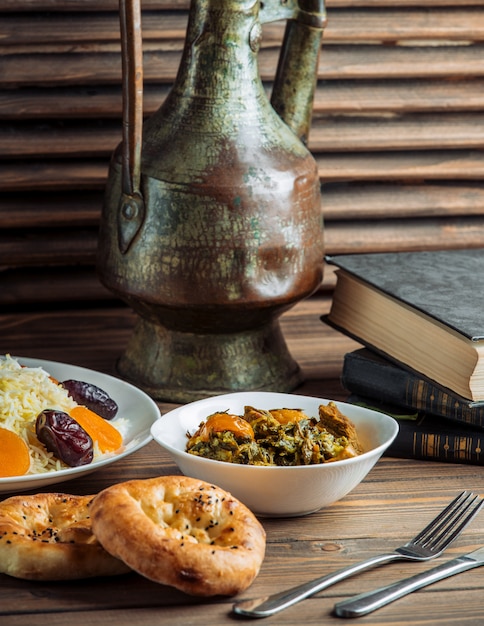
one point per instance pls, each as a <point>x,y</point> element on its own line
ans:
<point>297,71</point>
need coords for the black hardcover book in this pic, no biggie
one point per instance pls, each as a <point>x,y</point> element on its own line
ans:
<point>368,374</point>
<point>424,310</point>
<point>429,438</point>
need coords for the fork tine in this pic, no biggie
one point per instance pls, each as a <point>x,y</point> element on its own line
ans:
<point>447,539</point>
<point>442,518</point>
<point>446,527</point>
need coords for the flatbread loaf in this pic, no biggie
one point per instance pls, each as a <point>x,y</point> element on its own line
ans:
<point>181,532</point>
<point>48,536</point>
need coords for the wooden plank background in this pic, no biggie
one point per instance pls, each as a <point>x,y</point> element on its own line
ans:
<point>397,130</point>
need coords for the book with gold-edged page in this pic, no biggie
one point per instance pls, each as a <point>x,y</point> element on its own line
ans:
<point>424,310</point>
<point>429,437</point>
<point>369,374</point>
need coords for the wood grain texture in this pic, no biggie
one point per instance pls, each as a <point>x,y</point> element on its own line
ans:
<point>394,502</point>
<point>345,24</point>
<point>331,134</point>
<point>332,97</point>
<point>396,131</point>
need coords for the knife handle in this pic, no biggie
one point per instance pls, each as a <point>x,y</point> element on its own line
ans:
<point>370,601</point>
<point>270,605</point>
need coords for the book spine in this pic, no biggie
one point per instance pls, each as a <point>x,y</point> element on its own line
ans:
<point>386,382</point>
<point>416,440</point>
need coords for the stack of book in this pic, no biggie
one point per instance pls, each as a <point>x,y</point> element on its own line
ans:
<point>420,318</point>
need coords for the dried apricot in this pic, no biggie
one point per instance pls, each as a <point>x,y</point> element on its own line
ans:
<point>108,438</point>
<point>14,454</point>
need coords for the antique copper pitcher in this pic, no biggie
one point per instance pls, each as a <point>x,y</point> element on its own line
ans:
<point>211,226</point>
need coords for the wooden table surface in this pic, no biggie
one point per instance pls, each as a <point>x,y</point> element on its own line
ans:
<point>395,500</point>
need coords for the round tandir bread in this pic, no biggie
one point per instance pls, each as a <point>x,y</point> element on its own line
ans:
<point>182,532</point>
<point>48,536</point>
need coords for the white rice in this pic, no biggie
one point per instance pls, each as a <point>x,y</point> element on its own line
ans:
<point>24,393</point>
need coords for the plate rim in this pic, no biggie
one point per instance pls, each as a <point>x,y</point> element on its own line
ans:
<point>9,483</point>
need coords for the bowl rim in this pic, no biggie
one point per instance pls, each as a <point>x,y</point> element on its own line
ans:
<point>378,450</point>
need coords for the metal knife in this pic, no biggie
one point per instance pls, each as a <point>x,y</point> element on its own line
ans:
<point>370,601</point>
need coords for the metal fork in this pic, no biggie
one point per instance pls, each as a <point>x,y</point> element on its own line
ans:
<point>428,544</point>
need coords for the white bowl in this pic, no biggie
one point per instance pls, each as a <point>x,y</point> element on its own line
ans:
<point>276,491</point>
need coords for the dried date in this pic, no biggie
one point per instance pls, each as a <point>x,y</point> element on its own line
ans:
<point>64,437</point>
<point>91,396</point>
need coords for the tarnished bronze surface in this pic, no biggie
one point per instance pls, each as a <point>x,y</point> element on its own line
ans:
<point>224,231</point>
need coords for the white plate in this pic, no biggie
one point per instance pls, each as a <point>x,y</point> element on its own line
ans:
<point>138,409</point>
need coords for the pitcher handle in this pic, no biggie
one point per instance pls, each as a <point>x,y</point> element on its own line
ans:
<point>131,211</point>
<point>297,70</point>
